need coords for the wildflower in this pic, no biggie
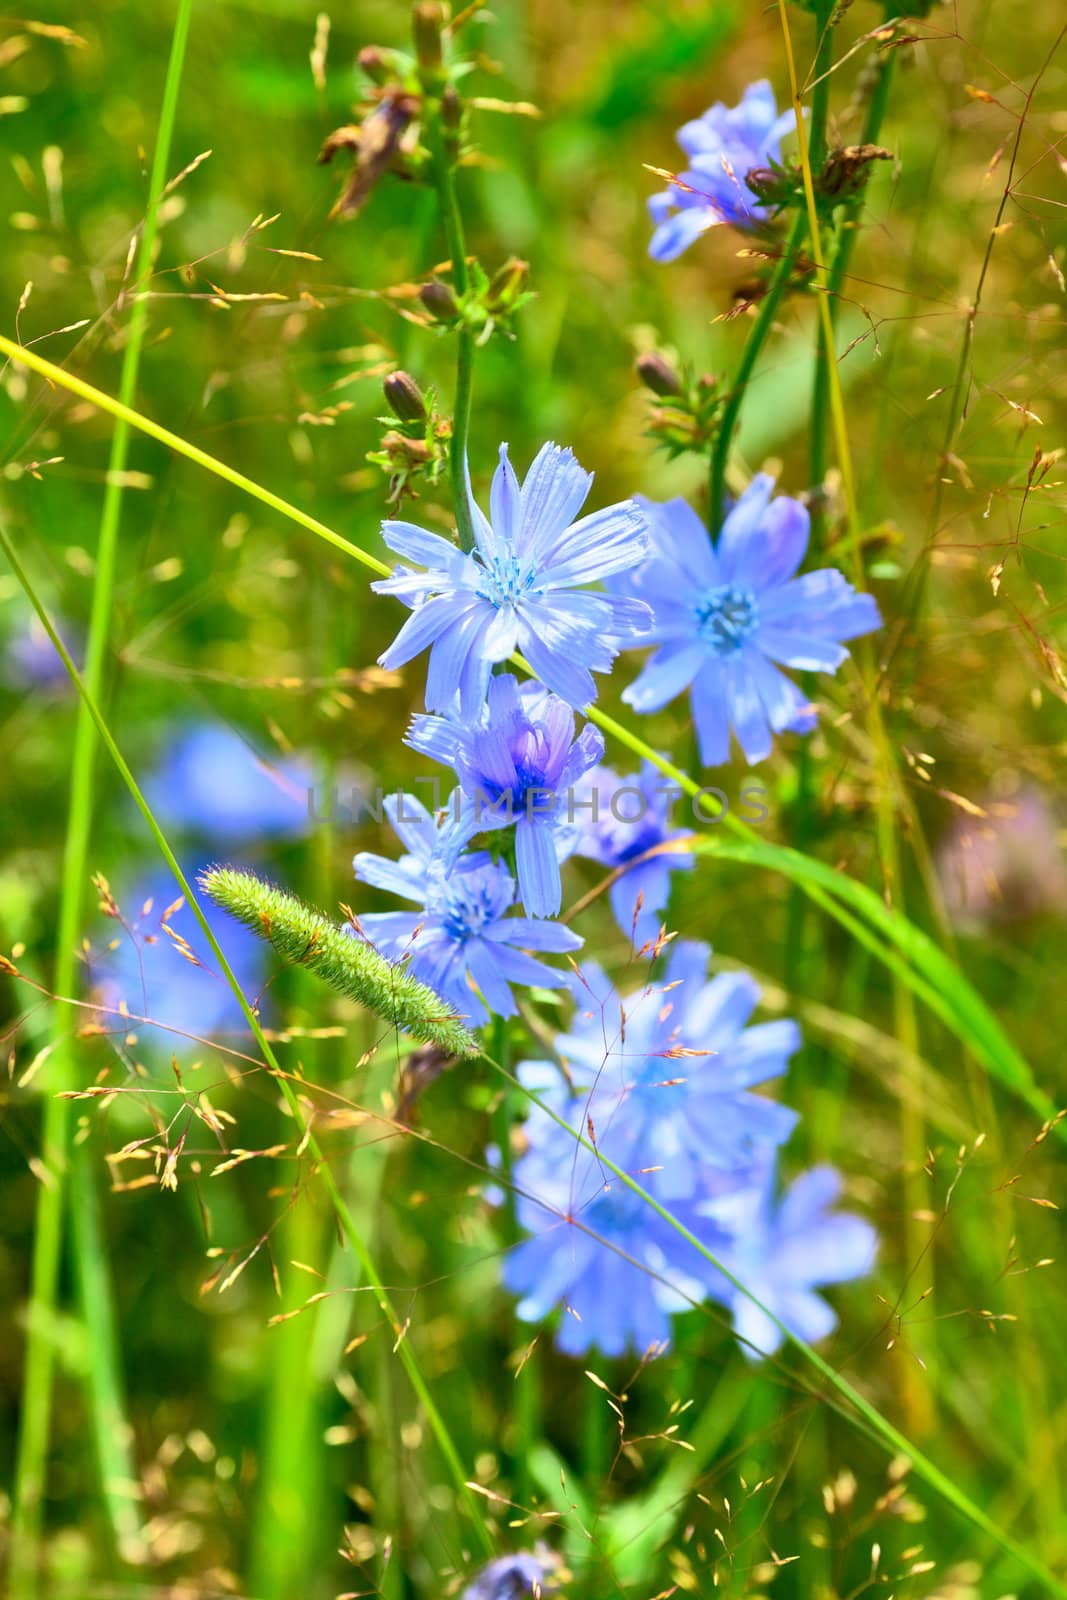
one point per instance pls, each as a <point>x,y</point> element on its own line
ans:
<point>723,615</point>
<point>782,1251</point>
<point>671,1065</point>
<point>631,819</point>
<point>520,588</point>
<point>211,782</point>
<point>461,930</point>
<point>598,1251</point>
<point>519,763</point>
<point>160,965</point>
<point>514,1577</point>
<point>723,146</point>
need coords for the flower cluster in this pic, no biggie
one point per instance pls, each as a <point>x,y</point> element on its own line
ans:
<point>661,1084</point>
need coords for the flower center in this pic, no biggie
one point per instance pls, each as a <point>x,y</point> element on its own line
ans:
<point>470,904</point>
<point>506,579</point>
<point>726,616</point>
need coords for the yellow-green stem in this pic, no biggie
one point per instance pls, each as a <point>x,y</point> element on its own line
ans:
<point>60,1162</point>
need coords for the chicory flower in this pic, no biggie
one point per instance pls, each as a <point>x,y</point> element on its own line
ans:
<point>727,615</point>
<point>461,929</point>
<point>519,763</point>
<point>521,587</point>
<point>723,146</point>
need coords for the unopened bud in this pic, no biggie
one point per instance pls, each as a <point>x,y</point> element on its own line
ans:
<point>439,300</point>
<point>405,397</point>
<point>451,108</point>
<point>428,20</point>
<point>379,64</point>
<point>657,374</point>
<point>507,284</point>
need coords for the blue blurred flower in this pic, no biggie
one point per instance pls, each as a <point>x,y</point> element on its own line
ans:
<point>520,588</point>
<point>514,1577</point>
<point>148,971</point>
<point>723,146</point>
<point>31,659</point>
<point>631,818</point>
<point>782,1251</point>
<point>461,929</point>
<point>211,782</point>
<point>723,615</point>
<point>519,763</point>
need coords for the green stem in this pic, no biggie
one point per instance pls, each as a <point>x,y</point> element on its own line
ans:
<point>526,1379</point>
<point>757,335</point>
<point>846,241</point>
<point>104,1379</point>
<point>308,1139</point>
<point>457,249</point>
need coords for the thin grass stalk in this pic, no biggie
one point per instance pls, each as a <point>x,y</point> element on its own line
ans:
<point>309,1141</point>
<point>61,1162</point>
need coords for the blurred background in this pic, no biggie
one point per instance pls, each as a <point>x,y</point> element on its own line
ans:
<point>279,1460</point>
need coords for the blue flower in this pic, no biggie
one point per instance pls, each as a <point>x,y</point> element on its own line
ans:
<point>514,1577</point>
<point>598,1251</point>
<point>782,1251</point>
<point>670,1068</point>
<point>519,763</point>
<point>211,782</point>
<point>30,659</point>
<point>461,930</point>
<point>723,615</point>
<point>658,1082</point>
<point>631,818</point>
<point>148,972</point>
<point>520,588</point>
<point>723,146</point>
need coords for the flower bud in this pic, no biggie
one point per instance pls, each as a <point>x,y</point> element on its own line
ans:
<point>405,397</point>
<point>657,374</point>
<point>379,64</point>
<point>451,108</point>
<point>428,20</point>
<point>439,300</point>
<point>507,284</point>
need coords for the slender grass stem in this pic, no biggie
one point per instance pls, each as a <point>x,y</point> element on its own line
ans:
<point>62,1163</point>
<point>452,219</point>
<point>757,337</point>
<point>525,1392</point>
<point>309,1141</point>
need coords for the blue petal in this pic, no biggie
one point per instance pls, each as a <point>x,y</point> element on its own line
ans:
<point>419,544</point>
<point>423,626</point>
<point>711,715</point>
<point>675,235</point>
<point>607,541</point>
<point>504,500</point>
<point>538,867</point>
<point>553,492</point>
<point>666,675</point>
<point>747,715</point>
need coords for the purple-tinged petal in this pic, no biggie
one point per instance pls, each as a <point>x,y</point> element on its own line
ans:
<point>553,492</point>
<point>668,673</point>
<point>674,236</point>
<point>538,867</point>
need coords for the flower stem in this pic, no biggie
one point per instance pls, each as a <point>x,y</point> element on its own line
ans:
<point>61,1162</point>
<point>308,1138</point>
<point>757,335</point>
<point>452,220</point>
<point>526,1396</point>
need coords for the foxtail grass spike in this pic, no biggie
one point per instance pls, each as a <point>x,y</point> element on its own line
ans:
<point>306,938</point>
